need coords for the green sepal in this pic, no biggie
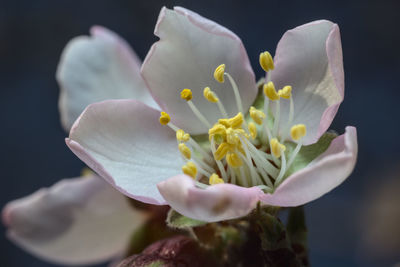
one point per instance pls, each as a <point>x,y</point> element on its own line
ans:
<point>178,221</point>
<point>297,233</point>
<point>273,234</point>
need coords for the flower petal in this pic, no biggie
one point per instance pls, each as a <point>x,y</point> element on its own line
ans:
<point>76,221</point>
<point>309,58</point>
<point>216,203</point>
<point>321,176</point>
<point>97,68</point>
<point>123,141</point>
<point>189,50</point>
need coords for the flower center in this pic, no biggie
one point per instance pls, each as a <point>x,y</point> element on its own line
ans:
<point>244,152</point>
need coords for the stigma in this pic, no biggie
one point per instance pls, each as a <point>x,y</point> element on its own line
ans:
<point>247,148</point>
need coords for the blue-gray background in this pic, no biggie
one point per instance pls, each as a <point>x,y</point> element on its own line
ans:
<point>33,152</point>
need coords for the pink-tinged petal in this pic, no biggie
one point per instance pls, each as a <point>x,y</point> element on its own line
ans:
<point>309,58</point>
<point>189,50</point>
<point>322,175</point>
<point>76,221</point>
<point>96,68</point>
<point>215,203</point>
<point>123,141</point>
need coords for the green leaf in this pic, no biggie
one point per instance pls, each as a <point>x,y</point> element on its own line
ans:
<point>308,153</point>
<point>177,220</point>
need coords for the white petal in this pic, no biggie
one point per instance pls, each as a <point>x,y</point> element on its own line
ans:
<point>309,58</point>
<point>322,175</point>
<point>123,141</point>
<point>97,68</point>
<point>215,203</point>
<point>76,221</point>
<point>189,50</point>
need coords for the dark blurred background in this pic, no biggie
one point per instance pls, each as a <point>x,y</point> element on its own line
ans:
<point>358,224</point>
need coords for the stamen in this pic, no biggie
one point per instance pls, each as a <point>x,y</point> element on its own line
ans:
<point>205,166</point>
<point>257,115</point>
<point>213,98</point>
<point>276,147</point>
<point>266,165</point>
<point>190,169</point>
<point>194,144</point>
<point>219,73</point>
<point>231,137</point>
<point>285,92</point>
<point>202,171</point>
<point>276,118</point>
<point>232,175</point>
<point>215,179</point>
<point>283,170</point>
<point>263,173</point>
<point>164,118</point>
<point>218,132</point>
<point>253,130</point>
<point>289,121</point>
<point>233,159</point>
<point>236,92</point>
<point>294,154</point>
<point>270,91</point>
<point>219,163</point>
<point>182,136</point>
<point>187,95</point>
<point>221,151</point>
<point>243,178</point>
<point>298,131</point>
<point>255,179</point>
<point>266,61</point>
<point>237,121</point>
<point>254,175</point>
<point>210,95</point>
<point>185,151</point>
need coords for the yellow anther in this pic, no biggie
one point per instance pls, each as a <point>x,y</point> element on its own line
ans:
<point>221,151</point>
<point>253,130</point>
<point>298,131</point>
<point>215,179</point>
<point>285,92</point>
<point>182,136</point>
<point>210,95</point>
<point>219,73</point>
<point>236,122</point>
<point>234,160</point>
<point>218,131</point>
<point>257,115</point>
<point>224,122</point>
<point>277,148</point>
<point>232,137</point>
<point>185,151</point>
<point>190,169</point>
<point>186,94</point>
<point>266,61</point>
<point>270,92</point>
<point>164,118</point>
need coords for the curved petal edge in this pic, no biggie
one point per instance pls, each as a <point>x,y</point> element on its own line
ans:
<point>77,221</point>
<point>215,203</point>
<point>123,141</point>
<point>322,175</point>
